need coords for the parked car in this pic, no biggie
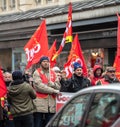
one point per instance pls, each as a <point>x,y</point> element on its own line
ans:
<point>97,106</point>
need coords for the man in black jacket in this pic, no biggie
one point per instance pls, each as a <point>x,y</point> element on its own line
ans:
<point>77,81</point>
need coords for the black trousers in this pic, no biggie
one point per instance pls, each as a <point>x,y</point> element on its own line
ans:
<point>24,121</point>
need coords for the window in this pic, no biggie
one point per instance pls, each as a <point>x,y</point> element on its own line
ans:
<point>12,3</point>
<point>48,1</point>
<point>3,5</point>
<point>104,110</point>
<point>18,59</point>
<point>38,1</point>
<point>72,114</point>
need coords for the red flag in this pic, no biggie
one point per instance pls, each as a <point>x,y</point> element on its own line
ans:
<point>67,36</point>
<point>37,45</point>
<point>75,56</point>
<point>3,89</point>
<point>51,53</point>
<point>117,58</point>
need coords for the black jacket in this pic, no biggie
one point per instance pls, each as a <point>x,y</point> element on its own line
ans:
<point>76,83</point>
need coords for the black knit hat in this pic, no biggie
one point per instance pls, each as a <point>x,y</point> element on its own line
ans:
<point>43,58</point>
<point>17,75</point>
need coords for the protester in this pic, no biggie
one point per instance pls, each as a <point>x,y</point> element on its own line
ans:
<point>58,72</point>
<point>77,81</point>
<point>20,98</point>
<point>63,81</point>
<point>47,86</point>
<point>7,78</point>
<point>97,74</point>
<point>9,119</point>
<point>109,77</point>
<point>27,76</point>
<point>63,74</point>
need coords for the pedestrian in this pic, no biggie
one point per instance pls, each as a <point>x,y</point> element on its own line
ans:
<point>109,77</point>
<point>47,86</point>
<point>97,74</point>
<point>77,81</point>
<point>20,97</point>
<point>9,121</point>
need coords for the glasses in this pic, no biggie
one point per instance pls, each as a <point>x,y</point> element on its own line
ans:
<point>111,71</point>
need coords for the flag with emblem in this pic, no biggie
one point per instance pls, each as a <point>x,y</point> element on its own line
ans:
<point>37,45</point>
<point>75,56</point>
<point>67,36</point>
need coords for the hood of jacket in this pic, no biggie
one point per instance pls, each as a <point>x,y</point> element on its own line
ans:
<point>16,87</point>
<point>97,67</point>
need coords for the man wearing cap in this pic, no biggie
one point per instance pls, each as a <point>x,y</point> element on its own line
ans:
<point>109,77</point>
<point>77,81</point>
<point>47,86</point>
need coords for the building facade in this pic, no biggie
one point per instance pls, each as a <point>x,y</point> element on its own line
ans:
<point>95,22</point>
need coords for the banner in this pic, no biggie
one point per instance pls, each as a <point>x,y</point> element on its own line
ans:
<point>61,99</point>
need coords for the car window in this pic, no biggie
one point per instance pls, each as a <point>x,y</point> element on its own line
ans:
<point>104,110</point>
<point>72,114</point>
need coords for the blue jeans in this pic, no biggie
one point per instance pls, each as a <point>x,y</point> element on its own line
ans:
<point>24,121</point>
<point>41,119</point>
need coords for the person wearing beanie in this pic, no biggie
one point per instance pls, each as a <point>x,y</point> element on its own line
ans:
<point>77,81</point>
<point>76,65</point>
<point>47,86</point>
<point>20,97</point>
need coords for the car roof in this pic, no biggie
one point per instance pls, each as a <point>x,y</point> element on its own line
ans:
<point>112,86</point>
<point>109,87</point>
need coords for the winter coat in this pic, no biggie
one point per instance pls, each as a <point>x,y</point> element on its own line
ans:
<point>20,97</point>
<point>95,78</point>
<point>47,104</point>
<point>106,80</point>
<point>76,83</point>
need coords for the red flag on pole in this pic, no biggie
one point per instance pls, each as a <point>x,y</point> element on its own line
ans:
<point>117,58</point>
<point>75,56</point>
<point>51,53</point>
<point>67,36</point>
<point>37,45</point>
<point>3,89</point>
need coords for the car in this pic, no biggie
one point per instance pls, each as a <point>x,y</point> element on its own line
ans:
<point>97,106</point>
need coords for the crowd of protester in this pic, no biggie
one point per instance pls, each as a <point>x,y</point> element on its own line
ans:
<point>31,96</point>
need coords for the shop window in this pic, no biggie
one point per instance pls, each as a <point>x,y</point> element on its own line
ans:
<point>38,1</point>
<point>12,3</point>
<point>18,59</point>
<point>48,1</point>
<point>3,5</point>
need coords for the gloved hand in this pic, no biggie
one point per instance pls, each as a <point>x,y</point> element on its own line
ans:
<point>56,91</point>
